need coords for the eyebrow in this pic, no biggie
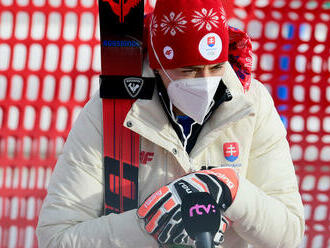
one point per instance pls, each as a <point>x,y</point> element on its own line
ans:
<point>220,64</point>
<point>201,66</point>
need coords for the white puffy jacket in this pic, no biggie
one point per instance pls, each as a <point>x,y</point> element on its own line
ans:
<point>267,211</point>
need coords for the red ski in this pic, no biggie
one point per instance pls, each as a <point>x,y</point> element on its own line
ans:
<point>121,26</point>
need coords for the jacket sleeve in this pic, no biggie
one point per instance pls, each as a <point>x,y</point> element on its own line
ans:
<point>71,215</point>
<point>267,210</point>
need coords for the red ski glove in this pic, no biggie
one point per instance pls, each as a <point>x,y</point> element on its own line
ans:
<point>162,210</point>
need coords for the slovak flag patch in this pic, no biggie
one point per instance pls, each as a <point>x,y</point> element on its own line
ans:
<point>211,41</point>
<point>231,151</point>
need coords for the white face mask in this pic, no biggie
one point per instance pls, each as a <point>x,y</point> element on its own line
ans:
<point>193,96</point>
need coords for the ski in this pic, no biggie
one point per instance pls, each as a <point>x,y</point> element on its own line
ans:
<point>121,83</point>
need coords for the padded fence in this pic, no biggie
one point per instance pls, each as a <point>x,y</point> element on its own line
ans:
<point>49,66</point>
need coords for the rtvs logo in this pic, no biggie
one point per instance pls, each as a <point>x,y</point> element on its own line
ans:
<point>201,209</point>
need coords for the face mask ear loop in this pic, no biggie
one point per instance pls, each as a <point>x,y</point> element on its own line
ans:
<point>153,48</point>
<point>158,60</point>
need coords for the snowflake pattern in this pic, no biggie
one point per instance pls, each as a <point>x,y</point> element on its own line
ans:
<point>173,23</point>
<point>205,18</point>
<point>223,16</point>
<point>153,25</point>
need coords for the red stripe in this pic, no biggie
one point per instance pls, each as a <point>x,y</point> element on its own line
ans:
<point>120,143</point>
<point>108,128</point>
<point>111,184</point>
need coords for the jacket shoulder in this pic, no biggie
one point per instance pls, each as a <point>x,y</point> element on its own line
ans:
<point>258,89</point>
<point>84,143</point>
<point>261,98</point>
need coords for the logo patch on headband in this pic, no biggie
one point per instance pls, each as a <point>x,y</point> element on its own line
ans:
<point>210,46</point>
<point>168,52</point>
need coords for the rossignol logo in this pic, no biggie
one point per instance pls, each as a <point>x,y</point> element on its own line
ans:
<point>122,7</point>
<point>133,85</point>
<point>121,43</point>
<point>201,209</point>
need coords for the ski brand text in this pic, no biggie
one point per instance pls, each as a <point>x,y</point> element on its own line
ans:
<point>121,43</point>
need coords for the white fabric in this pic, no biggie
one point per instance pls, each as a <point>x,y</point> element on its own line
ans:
<point>267,211</point>
<point>193,96</point>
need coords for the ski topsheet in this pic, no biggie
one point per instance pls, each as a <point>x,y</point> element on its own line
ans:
<point>121,29</point>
